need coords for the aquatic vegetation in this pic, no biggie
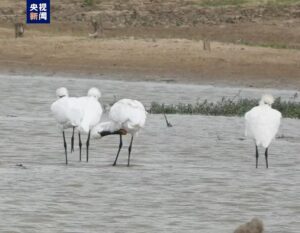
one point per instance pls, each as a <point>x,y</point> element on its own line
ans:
<point>225,107</point>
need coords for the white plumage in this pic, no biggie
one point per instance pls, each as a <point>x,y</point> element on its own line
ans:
<point>91,110</point>
<point>125,116</point>
<point>82,113</point>
<point>262,123</point>
<point>66,112</point>
<point>91,115</point>
<point>129,114</point>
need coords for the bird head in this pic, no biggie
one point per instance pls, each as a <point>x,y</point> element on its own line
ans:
<point>94,92</point>
<point>98,129</point>
<point>266,100</point>
<point>106,128</point>
<point>62,92</point>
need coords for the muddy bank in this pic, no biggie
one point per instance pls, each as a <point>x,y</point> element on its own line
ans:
<point>175,60</point>
<point>158,13</point>
<point>159,41</point>
<point>270,25</point>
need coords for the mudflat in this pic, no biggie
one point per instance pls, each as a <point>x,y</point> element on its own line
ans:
<point>251,45</point>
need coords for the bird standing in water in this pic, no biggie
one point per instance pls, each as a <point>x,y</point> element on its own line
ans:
<point>125,117</point>
<point>262,124</point>
<point>82,113</point>
<point>91,115</point>
<point>67,112</point>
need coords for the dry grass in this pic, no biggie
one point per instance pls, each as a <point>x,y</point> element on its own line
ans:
<point>222,3</point>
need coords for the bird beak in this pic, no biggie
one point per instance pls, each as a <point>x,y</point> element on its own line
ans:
<point>123,131</point>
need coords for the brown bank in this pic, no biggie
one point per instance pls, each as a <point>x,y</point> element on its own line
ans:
<point>172,51</point>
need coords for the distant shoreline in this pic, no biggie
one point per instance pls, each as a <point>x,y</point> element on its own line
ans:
<point>133,76</point>
<point>160,60</point>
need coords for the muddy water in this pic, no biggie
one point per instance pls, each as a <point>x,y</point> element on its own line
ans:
<point>197,176</point>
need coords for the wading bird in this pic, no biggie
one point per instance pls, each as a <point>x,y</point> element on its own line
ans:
<point>82,113</point>
<point>91,115</point>
<point>262,124</point>
<point>67,113</point>
<point>125,116</point>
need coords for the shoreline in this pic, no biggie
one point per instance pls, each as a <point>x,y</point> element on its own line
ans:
<point>254,45</point>
<point>160,60</point>
<point>132,78</point>
<point>169,78</point>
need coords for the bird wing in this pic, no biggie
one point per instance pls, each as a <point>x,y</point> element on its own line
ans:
<point>58,109</point>
<point>130,112</point>
<point>262,124</point>
<point>92,112</point>
<point>66,112</point>
<point>75,111</point>
<point>274,120</point>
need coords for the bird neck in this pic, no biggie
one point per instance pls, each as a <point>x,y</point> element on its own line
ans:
<point>262,103</point>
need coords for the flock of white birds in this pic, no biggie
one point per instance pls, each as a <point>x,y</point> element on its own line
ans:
<point>127,116</point>
<point>85,114</point>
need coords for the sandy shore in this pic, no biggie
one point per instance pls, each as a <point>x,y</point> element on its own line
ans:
<point>173,60</point>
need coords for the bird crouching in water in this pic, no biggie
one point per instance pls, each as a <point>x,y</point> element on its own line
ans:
<point>262,124</point>
<point>125,117</point>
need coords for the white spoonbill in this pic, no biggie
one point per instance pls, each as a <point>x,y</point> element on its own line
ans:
<point>262,124</point>
<point>91,115</point>
<point>125,116</point>
<point>67,113</point>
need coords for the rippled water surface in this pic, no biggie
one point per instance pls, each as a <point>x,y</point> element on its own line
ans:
<point>197,176</point>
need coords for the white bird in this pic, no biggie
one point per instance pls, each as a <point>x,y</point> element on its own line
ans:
<point>91,115</point>
<point>82,113</point>
<point>262,124</point>
<point>67,113</point>
<point>125,116</point>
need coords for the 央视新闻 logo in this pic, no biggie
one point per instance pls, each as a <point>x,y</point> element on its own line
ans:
<point>38,11</point>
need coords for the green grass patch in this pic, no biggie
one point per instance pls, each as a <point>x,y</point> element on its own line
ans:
<point>225,107</point>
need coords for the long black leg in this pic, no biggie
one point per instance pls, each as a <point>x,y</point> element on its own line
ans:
<point>65,146</point>
<point>129,151</point>
<point>87,146</point>
<point>80,146</point>
<point>120,146</point>
<point>266,156</point>
<point>256,156</point>
<point>72,141</point>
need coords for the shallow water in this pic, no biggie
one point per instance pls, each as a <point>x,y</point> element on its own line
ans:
<point>197,176</point>
<point>39,92</point>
